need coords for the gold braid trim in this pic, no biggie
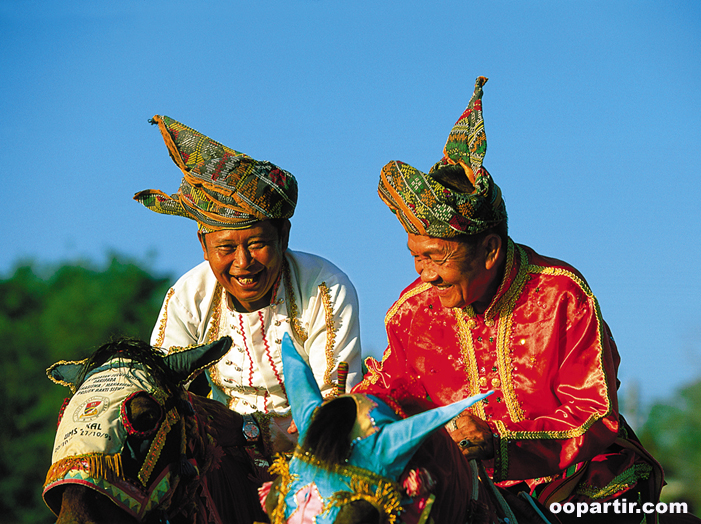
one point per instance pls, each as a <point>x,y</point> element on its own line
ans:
<point>504,331</point>
<point>594,417</point>
<point>467,349</point>
<point>406,296</point>
<point>501,459</point>
<point>292,311</point>
<point>213,332</point>
<point>108,467</point>
<point>385,498</point>
<point>154,452</point>
<point>281,467</point>
<point>622,482</point>
<point>502,309</point>
<point>164,319</point>
<point>330,331</point>
<point>216,314</point>
<point>371,376</point>
<point>69,385</point>
<point>344,470</point>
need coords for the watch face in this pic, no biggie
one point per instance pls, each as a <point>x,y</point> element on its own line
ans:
<point>251,431</point>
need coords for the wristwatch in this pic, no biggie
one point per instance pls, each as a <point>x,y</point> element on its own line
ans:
<point>250,429</point>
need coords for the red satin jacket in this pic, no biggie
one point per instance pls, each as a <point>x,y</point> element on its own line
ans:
<point>544,349</point>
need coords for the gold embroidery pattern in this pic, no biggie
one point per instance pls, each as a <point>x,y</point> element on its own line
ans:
<point>281,468</point>
<point>292,312</point>
<point>154,452</point>
<point>344,470</point>
<point>162,325</point>
<point>622,482</point>
<point>510,248</point>
<point>372,376</point>
<point>213,333</point>
<point>506,325</point>
<point>385,498</point>
<point>216,313</point>
<point>69,385</point>
<point>406,296</point>
<point>594,417</point>
<point>502,310</point>
<point>467,349</point>
<point>501,459</point>
<point>330,331</point>
<point>558,271</point>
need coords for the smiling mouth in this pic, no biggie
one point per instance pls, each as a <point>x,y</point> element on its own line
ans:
<point>248,279</point>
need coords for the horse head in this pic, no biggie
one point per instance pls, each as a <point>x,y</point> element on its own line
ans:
<point>127,431</point>
<point>353,450</point>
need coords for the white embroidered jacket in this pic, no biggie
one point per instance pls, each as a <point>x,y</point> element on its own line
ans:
<point>315,303</point>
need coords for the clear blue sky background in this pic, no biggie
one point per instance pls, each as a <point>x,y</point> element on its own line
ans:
<point>592,112</point>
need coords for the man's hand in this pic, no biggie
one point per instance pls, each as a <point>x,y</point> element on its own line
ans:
<point>473,436</point>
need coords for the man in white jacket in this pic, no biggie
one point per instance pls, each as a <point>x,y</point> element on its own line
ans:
<point>250,286</point>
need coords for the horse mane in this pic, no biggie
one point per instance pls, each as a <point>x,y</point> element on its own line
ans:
<point>328,435</point>
<point>135,350</point>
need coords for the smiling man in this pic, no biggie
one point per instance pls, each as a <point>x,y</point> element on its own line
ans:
<point>251,287</point>
<point>487,314</point>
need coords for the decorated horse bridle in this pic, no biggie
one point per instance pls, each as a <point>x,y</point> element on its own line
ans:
<point>310,490</point>
<point>97,439</point>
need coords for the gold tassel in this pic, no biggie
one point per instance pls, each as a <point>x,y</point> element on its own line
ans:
<point>281,467</point>
<point>108,467</point>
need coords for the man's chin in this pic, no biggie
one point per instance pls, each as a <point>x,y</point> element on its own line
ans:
<point>450,302</point>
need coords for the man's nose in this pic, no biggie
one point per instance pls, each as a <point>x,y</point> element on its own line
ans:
<point>427,272</point>
<point>242,257</point>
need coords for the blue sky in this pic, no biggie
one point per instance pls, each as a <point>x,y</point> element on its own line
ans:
<point>592,114</point>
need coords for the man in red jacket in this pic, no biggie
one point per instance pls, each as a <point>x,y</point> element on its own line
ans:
<point>489,314</point>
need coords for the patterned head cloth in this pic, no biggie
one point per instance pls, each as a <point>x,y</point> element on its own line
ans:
<point>221,188</point>
<point>425,206</point>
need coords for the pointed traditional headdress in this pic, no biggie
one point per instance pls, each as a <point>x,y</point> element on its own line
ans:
<point>426,206</point>
<point>221,188</point>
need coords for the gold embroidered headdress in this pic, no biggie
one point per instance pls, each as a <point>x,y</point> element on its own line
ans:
<point>221,188</point>
<point>426,206</point>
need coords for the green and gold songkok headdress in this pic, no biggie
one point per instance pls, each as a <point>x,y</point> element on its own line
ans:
<point>425,206</point>
<point>221,188</point>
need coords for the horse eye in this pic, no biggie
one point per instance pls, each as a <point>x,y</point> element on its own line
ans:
<point>141,414</point>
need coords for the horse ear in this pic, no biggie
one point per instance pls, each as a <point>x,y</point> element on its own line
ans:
<point>302,390</point>
<point>186,362</point>
<point>399,440</point>
<point>65,373</point>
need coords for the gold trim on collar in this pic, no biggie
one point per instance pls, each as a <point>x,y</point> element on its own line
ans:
<point>330,332</point>
<point>164,320</point>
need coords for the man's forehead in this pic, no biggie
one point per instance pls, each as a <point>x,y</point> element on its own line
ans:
<point>262,229</point>
<point>425,244</point>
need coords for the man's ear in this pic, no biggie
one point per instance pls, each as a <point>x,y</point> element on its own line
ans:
<point>203,243</point>
<point>285,235</point>
<point>492,250</point>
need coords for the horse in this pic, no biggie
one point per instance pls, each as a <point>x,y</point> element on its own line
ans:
<point>359,462</point>
<point>134,446</point>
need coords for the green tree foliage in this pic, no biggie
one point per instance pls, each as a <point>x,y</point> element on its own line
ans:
<point>672,434</point>
<point>62,314</point>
